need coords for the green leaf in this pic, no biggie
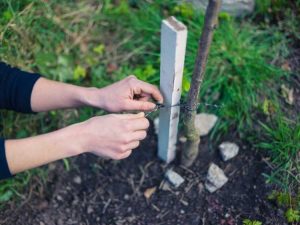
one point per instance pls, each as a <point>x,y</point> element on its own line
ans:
<point>6,196</point>
<point>67,164</point>
<point>251,222</point>
<point>64,60</point>
<point>79,72</point>
<point>224,16</point>
<point>185,9</point>
<point>7,15</point>
<point>99,49</point>
<point>292,215</point>
<point>186,84</point>
<point>22,133</point>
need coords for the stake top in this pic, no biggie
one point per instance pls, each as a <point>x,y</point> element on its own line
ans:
<point>174,24</point>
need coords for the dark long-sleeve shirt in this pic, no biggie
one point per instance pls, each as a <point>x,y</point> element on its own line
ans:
<point>15,94</point>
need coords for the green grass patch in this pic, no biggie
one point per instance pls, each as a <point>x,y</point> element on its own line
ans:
<point>281,139</point>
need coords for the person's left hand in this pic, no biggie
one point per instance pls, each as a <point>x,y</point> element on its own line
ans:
<point>125,95</point>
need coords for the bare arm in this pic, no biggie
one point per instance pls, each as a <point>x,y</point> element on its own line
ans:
<point>48,95</point>
<point>111,136</point>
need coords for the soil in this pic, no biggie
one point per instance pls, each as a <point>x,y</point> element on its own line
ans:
<point>97,191</point>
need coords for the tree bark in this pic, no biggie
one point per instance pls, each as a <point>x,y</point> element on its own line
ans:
<point>191,149</point>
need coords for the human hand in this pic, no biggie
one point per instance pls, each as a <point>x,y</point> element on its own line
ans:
<point>127,94</point>
<point>113,136</point>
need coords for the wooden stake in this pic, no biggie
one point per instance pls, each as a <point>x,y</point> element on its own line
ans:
<point>173,43</point>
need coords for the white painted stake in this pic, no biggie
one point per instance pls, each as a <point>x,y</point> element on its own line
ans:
<point>173,43</point>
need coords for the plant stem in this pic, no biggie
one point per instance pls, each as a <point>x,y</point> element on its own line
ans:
<point>193,138</point>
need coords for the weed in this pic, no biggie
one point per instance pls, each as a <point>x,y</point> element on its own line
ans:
<point>251,222</point>
<point>281,139</point>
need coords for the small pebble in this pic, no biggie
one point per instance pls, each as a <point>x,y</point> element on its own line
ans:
<point>90,209</point>
<point>126,197</point>
<point>228,150</point>
<point>200,187</point>
<point>205,122</point>
<point>77,180</point>
<point>174,178</point>
<point>59,198</point>
<point>215,178</point>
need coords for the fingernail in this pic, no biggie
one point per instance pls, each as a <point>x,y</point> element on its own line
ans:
<point>141,114</point>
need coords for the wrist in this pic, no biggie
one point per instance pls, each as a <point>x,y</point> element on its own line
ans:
<point>93,97</point>
<point>74,138</point>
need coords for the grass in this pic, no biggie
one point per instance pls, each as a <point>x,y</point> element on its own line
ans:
<point>281,139</point>
<point>95,44</point>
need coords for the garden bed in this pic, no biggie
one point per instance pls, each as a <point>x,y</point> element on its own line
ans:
<point>112,192</point>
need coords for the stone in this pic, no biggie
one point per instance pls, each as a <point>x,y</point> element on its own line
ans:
<point>228,150</point>
<point>174,178</point>
<point>204,122</point>
<point>77,180</point>
<point>287,94</point>
<point>200,187</point>
<point>126,197</point>
<point>59,198</point>
<point>236,8</point>
<point>156,125</point>
<point>90,210</point>
<point>215,178</point>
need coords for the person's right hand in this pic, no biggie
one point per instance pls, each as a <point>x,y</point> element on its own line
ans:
<point>115,135</point>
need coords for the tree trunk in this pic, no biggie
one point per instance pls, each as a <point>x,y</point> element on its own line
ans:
<point>190,151</point>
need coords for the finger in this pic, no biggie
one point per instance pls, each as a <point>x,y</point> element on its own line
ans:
<point>131,115</point>
<point>123,155</point>
<point>144,97</point>
<point>151,89</point>
<point>133,145</point>
<point>139,124</point>
<point>139,135</point>
<point>139,105</point>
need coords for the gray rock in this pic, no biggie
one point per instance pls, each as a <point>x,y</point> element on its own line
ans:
<point>228,150</point>
<point>90,209</point>
<point>205,122</point>
<point>215,178</point>
<point>236,8</point>
<point>174,178</point>
<point>77,180</point>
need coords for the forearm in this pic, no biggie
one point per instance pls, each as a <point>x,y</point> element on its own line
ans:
<point>28,153</point>
<point>48,95</point>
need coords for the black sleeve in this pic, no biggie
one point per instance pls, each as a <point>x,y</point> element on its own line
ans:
<point>4,170</point>
<point>15,88</point>
<point>15,94</point>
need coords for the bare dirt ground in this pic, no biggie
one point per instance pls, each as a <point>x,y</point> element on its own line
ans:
<point>110,192</point>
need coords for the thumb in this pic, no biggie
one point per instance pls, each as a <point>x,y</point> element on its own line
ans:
<point>139,105</point>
